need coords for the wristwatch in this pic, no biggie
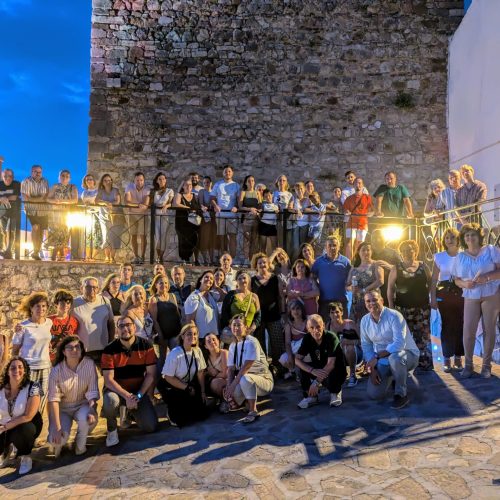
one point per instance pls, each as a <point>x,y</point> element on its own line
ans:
<point>139,396</point>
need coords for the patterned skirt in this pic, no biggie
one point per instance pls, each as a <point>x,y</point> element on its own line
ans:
<point>418,320</point>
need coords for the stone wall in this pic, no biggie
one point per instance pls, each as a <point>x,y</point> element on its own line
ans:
<point>310,88</point>
<point>19,278</point>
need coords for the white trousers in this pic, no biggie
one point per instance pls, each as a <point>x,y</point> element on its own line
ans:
<point>66,416</point>
<point>251,386</point>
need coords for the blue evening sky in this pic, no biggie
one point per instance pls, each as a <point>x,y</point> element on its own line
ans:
<point>45,85</point>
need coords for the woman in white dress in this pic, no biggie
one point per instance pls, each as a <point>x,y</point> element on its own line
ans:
<point>477,272</point>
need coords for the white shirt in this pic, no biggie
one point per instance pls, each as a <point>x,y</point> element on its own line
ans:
<point>226,194</point>
<point>391,334</point>
<point>302,220</point>
<point>248,349</point>
<point>348,191</point>
<point>230,280</point>
<point>445,263</point>
<point>34,340</point>
<point>269,211</point>
<point>93,320</point>
<point>175,364</point>
<point>282,199</point>
<point>207,313</point>
<point>467,267</point>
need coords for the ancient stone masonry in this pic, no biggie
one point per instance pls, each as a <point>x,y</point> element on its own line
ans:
<point>18,279</point>
<point>310,88</point>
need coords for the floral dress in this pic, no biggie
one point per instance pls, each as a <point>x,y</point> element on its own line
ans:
<point>58,229</point>
<point>93,233</point>
<point>363,278</point>
<point>412,301</point>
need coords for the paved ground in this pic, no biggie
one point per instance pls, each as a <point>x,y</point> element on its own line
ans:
<point>446,444</point>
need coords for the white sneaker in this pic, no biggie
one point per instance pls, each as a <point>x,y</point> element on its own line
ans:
<point>26,465</point>
<point>112,438</point>
<point>307,402</point>
<point>353,381</point>
<point>336,399</point>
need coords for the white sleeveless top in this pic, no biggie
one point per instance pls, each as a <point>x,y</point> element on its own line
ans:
<point>19,407</point>
<point>445,263</point>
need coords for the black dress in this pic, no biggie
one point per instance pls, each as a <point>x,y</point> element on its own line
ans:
<point>187,233</point>
<point>169,319</point>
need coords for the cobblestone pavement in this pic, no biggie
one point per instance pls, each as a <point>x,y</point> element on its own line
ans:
<point>446,444</point>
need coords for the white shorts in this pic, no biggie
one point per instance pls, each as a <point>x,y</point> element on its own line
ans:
<point>358,234</point>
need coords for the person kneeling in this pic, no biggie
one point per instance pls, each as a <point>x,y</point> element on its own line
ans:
<point>388,348</point>
<point>73,395</point>
<point>216,376</point>
<point>184,373</point>
<point>327,366</point>
<point>20,419</point>
<point>248,370</point>
<point>129,369</point>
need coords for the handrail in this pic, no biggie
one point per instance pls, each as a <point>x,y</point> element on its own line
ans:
<point>419,228</point>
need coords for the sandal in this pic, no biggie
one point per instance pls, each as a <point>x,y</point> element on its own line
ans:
<point>251,417</point>
<point>233,405</point>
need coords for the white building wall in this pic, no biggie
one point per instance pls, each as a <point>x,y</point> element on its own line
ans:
<point>474,95</point>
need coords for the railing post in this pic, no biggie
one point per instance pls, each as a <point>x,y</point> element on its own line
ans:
<point>152,233</point>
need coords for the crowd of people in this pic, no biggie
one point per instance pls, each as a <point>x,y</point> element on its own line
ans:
<point>212,218</point>
<point>224,342</point>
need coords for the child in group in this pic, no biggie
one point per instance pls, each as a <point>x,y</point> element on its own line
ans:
<point>316,218</point>
<point>268,233</point>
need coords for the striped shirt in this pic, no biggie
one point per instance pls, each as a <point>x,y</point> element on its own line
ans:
<point>37,189</point>
<point>448,200</point>
<point>467,195</point>
<point>70,388</point>
<point>129,365</point>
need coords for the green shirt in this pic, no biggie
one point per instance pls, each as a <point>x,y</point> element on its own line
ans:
<point>392,202</point>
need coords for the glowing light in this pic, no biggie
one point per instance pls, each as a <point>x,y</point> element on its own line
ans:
<point>79,219</point>
<point>26,247</point>
<point>392,233</point>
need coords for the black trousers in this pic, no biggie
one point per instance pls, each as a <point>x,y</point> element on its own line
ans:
<point>451,308</point>
<point>183,409</point>
<point>22,436</point>
<point>333,382</point>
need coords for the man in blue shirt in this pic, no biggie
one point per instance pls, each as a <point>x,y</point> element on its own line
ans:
<point>331,271</point>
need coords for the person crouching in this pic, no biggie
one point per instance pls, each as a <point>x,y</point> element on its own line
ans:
<point>327,366</point>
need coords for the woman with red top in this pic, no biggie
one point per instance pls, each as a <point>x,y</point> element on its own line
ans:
<point>63,323</point>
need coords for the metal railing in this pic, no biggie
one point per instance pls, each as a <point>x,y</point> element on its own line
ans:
<point>94,232</point>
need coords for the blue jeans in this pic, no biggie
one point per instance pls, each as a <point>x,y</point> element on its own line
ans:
<point>400,364</point>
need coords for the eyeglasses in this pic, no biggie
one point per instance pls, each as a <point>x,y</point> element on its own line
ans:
<point>76,347</point>
<point>65,301</point>
<point>125,325</point>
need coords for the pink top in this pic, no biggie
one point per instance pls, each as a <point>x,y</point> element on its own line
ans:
<point>304,286</point>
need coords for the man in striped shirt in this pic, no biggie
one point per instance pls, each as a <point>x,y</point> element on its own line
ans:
<point>471,192</point>
<point>449,195</point>
<point>129,369</point>
<point>36,188</point>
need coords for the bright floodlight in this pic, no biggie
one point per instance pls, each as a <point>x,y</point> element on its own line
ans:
<point>78,219</point>
<point>392,233</point>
